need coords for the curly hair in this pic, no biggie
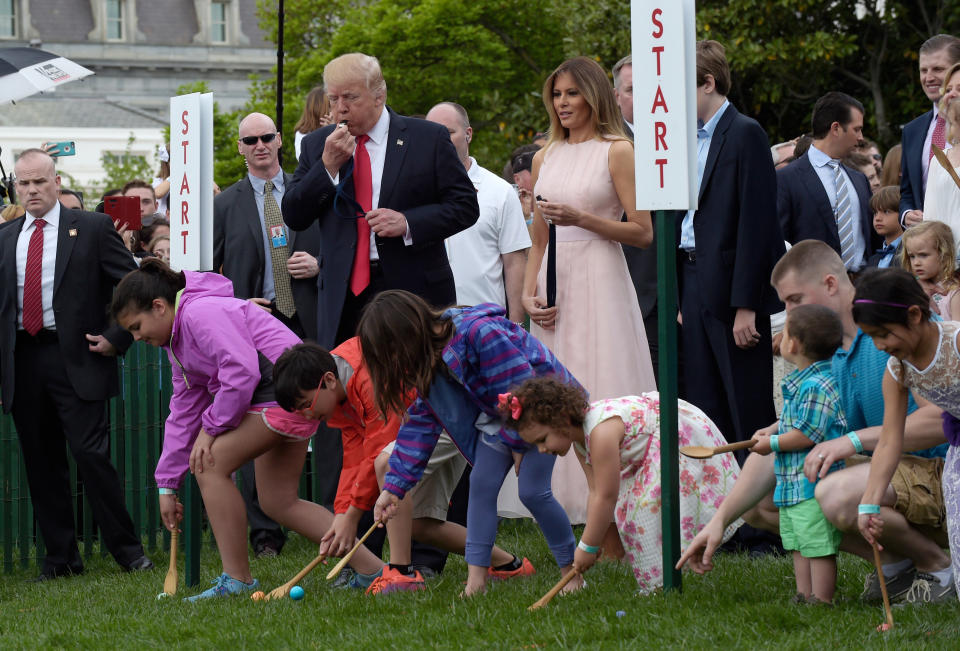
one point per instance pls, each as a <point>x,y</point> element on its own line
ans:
<point>546,401</point>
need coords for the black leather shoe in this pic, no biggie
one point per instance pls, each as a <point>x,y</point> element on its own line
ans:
<point>266,550</point>
<point>140,565</point>
<point>55,573</point>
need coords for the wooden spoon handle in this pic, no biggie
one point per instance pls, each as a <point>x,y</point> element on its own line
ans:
<point>346,559</point>
<point>741,445</point>
<point>554,591</point>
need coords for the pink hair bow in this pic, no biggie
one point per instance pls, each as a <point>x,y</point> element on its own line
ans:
<point>516,408</point>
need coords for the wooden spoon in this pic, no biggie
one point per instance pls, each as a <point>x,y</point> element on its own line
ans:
<point>703,452</point>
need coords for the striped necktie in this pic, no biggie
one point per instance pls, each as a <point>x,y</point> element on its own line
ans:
<point>841,211</point>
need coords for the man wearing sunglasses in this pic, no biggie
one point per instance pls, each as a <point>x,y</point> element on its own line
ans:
<point>386,190</point>
<point>268,264</point>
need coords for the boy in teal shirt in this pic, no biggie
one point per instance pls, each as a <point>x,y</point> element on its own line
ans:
<point>811,414</point>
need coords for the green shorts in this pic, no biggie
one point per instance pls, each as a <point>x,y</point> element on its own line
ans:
<point>805,529</point>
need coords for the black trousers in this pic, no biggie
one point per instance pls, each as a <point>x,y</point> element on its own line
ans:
<point>263,530</point>
<point>48,413</point>
<point>733,386</point>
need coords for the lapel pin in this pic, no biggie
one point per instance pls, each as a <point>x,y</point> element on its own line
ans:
<point>399,142</point>
<point>72,232</point>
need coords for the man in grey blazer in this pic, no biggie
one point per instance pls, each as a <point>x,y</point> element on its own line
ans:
<point>269,264</point>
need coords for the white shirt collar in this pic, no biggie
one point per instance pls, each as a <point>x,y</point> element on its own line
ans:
<point>817,157</point>
<point>52,217</point>
<point>474,172</point>
<point>378,134</point>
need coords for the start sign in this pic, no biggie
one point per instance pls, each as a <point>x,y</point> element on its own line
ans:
<point>664,103</point>
<point>191,182</point>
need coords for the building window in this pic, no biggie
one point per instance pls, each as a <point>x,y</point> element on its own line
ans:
<point>218,22</point>
<point>114,20</point>
<point>8,18</point>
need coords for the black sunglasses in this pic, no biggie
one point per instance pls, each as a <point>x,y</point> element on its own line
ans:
<point>252,140</point>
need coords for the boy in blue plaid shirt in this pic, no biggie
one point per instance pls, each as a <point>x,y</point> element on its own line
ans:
<point>811,414</point>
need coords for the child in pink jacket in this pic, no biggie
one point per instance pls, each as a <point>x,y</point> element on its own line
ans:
<point>223,412</point>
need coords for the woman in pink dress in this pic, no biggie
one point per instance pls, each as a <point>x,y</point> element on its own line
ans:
<point>584,182</point>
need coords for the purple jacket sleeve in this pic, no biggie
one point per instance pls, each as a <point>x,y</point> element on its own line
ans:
<point>415,443</point>
<point>180,431</point>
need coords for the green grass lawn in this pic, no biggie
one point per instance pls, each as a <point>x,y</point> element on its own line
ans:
<point>743,604</point>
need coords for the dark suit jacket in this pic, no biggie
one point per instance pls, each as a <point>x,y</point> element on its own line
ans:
<point>238,249</point>
<point>738,238</point>
<point>91,260</point>
<point>806,212</point>
<point>642,264</point>
<point>911,162</point>
<point>422,178</point>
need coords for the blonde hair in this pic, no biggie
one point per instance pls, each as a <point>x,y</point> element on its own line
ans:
<point>349,68</point>
<point>943,243</point>
<point>594,85</point>
<point>951,113</point>
<point>315,108</point>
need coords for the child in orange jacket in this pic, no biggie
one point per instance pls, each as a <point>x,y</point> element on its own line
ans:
<point>336,387</point>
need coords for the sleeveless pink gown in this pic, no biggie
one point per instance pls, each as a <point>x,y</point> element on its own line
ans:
<point>599,334</point>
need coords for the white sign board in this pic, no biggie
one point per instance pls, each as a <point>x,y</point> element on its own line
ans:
<point>664,103</point>
<point>191,182</point>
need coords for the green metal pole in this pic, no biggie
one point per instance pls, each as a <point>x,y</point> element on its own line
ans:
<point>666,243</point>
<point>192,530</point>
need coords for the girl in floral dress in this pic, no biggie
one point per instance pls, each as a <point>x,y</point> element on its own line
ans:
<point>618,443</point>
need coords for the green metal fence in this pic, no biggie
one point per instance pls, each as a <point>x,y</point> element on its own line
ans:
<point>136,436</point>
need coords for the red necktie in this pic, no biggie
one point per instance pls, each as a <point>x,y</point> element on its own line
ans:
<point>939,137</point>
<point>32,294</point>
<point>363,192</point>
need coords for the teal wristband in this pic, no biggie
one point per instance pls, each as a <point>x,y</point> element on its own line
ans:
<point>166,491</point>
<point>775,442</point>
<point>857,445</point>
<point>590,549</point>
<point>868,509</point>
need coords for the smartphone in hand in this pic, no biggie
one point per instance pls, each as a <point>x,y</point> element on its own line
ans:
<point>63,148</point>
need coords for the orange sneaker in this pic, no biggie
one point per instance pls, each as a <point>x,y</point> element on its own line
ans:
<point>526,569</point>
<point>393,581</point>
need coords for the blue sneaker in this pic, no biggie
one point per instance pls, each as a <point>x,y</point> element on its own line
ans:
<point>350,578</point>
<point>225,586</point>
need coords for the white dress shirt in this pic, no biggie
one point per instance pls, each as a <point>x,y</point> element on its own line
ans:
<point>377,150</point>
<point>48,264</point>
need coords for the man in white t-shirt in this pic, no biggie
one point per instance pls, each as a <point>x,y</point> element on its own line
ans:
<point>489,257</point>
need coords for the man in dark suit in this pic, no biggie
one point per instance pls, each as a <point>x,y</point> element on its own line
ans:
<point>818,198</point>
<point>728,248</point>
<point>413,193</point>
<point>272,266</point>
<point>386,190</point>
<point>60,267</point>
<point>642,263</point>
<point>244,249</point>
<point>937,54</point>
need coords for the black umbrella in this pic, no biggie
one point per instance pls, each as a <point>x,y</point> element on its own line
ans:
<point>25,71</point>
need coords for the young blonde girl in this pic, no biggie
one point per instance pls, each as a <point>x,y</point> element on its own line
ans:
<point>893,310</point>
<point>617,442</point>
<point>929,253</point>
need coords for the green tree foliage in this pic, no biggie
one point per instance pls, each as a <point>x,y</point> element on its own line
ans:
<point>120,168</point>
<point>228,165</point>
<point>786,53</point>
<point>493,55</point>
